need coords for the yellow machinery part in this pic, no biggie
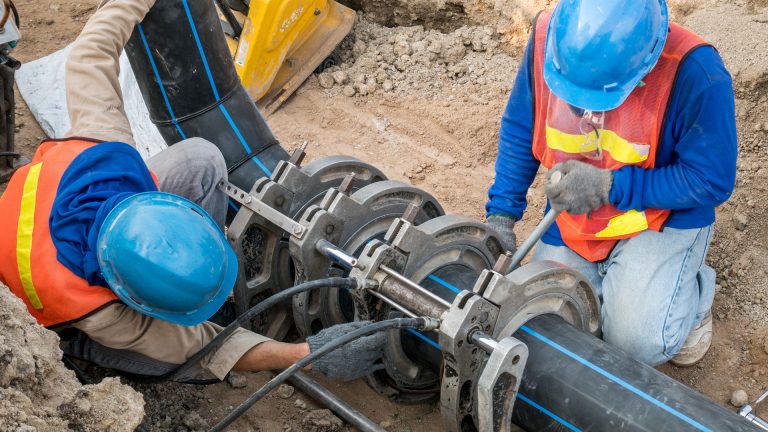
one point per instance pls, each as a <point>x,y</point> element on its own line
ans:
<point>283,42</point>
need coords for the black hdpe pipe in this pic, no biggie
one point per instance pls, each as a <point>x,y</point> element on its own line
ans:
<point>187,78</point>
<point>574,381</point>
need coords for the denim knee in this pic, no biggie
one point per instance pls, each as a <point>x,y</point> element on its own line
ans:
<point>649,339</point>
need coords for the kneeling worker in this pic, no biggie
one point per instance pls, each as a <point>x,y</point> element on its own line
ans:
<point>637,117</point>
<point>88,241</point>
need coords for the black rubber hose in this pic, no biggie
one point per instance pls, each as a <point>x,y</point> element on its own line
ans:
<point>237,29</point>
<point>344,283</point>
<point>415,323</point>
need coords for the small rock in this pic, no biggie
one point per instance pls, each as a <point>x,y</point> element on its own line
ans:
<point>348,91</point>
<point>386,425</point>
<point>362,89</point>
<point>300,404</point>
<point>193,421</point>
<point>326,80</point>
<point>741,221</point>
<point>739,398</point>
<point>388,85</point>
<point>402,48</point>
<point>358,79</point>
<point>322,421</point>
<point>358,48</point>
<point>341,77</point>
<point>285,391</point>
<point>236,380</point>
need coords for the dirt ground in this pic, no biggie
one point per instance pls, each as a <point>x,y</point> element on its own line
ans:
<point>427,112</point>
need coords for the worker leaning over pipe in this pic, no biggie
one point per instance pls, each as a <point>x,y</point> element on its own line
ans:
<point>88,241</point>
<point>637,115</point>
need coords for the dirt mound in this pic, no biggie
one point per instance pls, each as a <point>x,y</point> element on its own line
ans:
<point>509,19</point>
<point>38,393</point>
<point>405,60</point>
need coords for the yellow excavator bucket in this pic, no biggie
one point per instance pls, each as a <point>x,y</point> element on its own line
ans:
<point>283,42</point>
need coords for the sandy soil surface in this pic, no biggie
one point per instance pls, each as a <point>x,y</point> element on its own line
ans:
<point>423,103</point>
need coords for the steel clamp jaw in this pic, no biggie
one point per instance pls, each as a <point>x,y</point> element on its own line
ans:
<point>540,288</point>
<point>463,361</point>
<point>498,385</point>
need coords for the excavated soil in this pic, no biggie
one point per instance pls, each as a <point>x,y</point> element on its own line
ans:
<point>37,393</point>
<point>420,91</point>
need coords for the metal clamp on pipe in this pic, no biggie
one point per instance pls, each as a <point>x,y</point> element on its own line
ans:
<point>747,412</point>
<point>266,211</point>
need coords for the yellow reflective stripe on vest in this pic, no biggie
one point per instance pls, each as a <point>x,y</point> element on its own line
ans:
<point>630,222</point>
<point>620,149</point>
<point>24,234</point>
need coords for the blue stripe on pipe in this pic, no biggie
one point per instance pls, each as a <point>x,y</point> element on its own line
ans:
<point>425,339</point>
<point>232,205</point>
<point>242,140</point>
<point>200,49</point>
<point>159,81</point>
<point>444,283</point>
<point>216,91</point>
<point>617,380</point>
<point>549,413</point>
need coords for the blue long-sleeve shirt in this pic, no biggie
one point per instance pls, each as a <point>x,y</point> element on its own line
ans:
<point>695,165</point>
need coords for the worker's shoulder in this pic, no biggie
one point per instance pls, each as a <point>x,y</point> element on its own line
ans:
<point>704,66</point>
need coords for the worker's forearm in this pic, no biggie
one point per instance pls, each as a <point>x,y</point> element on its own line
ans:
<point>704,172</point>
<point>515,165</point>
<point>94,99</point>
<point>271,355</point>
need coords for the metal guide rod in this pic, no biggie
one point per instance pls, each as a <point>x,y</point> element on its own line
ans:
<point>416,287</point>
<point>392,303</point>
<point>314,390</point>
<point>336,255</point>
<point>485,342</point>
<point>255,205</point>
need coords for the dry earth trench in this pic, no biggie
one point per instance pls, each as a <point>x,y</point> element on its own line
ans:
<point>420,92</point>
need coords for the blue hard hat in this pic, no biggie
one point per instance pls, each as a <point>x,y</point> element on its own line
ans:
<point>165,257</point>
<point>598,51</point>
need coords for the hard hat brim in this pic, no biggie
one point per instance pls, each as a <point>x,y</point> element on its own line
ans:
<point>586,98</point>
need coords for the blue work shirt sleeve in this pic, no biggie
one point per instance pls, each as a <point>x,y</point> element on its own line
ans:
<point>515,166</point>
<point>700,170</point>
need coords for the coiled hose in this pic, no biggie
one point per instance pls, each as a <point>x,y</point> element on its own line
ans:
<point>336,282</point>
<point>415,323</point>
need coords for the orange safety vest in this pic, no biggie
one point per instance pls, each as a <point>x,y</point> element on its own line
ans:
<point>28,264</point>
<point>628,135</point>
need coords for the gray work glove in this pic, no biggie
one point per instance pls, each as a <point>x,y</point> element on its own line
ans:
<point>350,361</point>
<point>505,227</point>
<point>580,188</point>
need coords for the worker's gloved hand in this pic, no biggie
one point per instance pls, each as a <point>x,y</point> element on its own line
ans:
<point>505,227</point>
<point>579,188</point>
<point>350,361</point>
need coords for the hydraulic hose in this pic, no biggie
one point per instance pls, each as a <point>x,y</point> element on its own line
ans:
<point>414,323</point>
<point>344,283</point>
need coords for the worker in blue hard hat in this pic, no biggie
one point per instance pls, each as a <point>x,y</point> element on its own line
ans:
<point>129,253</point>
<point>635,116</point>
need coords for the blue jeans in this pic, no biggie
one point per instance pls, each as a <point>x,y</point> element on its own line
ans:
<point>654,289</point>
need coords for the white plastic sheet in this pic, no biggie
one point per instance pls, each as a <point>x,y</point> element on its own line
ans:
<point>41,84</point>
